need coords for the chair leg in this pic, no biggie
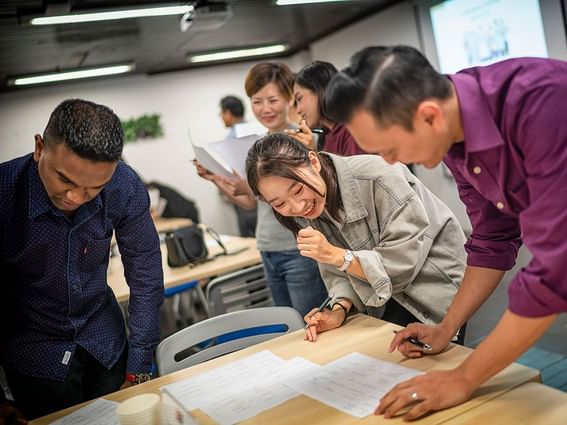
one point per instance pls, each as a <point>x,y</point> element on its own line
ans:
<point>203,300</point>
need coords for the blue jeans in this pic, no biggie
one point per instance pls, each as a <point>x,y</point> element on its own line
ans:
<point>294,280</point>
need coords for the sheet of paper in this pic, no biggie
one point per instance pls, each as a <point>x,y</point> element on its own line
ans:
<point>212,161</point>
<point>247,128</point>
<point>99,412</point>
<point>238,390</point>
<point>234,152</point>
<point>352,384</point>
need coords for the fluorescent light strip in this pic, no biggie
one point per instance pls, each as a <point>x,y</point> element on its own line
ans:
<point>108,16</point>
<point>294,2</point>
<point>241,53</point>
<point>72,75</point>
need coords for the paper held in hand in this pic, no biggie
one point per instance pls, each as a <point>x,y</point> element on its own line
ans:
<point>225,156</point>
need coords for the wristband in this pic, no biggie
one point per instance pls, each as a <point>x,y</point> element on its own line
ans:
<point>343,307</point>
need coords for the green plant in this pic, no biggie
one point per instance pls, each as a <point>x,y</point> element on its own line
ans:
<point>143,127</point>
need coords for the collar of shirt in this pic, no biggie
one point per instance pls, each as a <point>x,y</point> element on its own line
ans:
<point>353,208</point>
<point>481,132</point>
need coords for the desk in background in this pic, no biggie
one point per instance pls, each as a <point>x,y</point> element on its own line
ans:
<point>177,276</point>
<point>361,333</point>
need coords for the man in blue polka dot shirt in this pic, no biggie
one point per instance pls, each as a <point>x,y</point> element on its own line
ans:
<point>62,334</point>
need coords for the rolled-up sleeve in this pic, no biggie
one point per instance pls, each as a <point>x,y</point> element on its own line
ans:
<point>389,267</point>
<point>139,247</point>
<point>495,238</point>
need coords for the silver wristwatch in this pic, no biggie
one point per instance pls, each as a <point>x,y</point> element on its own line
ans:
<point>348,257</point>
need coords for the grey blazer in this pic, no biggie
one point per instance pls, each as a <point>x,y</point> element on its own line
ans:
<point>409,243</point>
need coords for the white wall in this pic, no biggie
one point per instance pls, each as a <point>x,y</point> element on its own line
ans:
<point>395,25</point>
<point>185,100</point>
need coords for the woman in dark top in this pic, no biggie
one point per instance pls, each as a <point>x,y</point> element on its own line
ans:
<point>309,90</point>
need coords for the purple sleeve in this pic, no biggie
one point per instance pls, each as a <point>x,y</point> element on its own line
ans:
<point>540,289</point>
<point>495,237</point>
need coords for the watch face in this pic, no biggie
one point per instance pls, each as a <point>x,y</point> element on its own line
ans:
<point>349,256</point>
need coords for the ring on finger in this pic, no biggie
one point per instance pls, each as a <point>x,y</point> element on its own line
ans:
<point>414,396</point>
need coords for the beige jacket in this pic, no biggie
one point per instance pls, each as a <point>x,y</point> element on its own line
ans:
<point>408,242</point>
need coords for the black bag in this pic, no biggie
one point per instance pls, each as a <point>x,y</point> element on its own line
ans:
<point>186,246</point>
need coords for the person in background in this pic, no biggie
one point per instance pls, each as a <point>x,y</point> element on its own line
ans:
<point>232,113</point>
<point>502,132</point>
<point>385,244</point>
<point>176,205</point>
<point>63,339</point>
<point>309,91</point>
<point>294,280</point>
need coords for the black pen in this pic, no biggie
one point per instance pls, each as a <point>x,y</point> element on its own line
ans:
<point>417,342</point>
<point>322,306</point>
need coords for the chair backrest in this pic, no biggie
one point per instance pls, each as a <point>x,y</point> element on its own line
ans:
<point>240,290</point>
<point>224,334</point>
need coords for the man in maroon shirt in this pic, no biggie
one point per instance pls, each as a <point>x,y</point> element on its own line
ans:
<point>502,131</point>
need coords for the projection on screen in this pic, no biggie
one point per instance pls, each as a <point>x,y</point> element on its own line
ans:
<point>480,32</point>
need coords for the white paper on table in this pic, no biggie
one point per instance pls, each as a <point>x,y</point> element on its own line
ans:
<point>352,384</point>
<point>236,391</point>
<point>99,412</point>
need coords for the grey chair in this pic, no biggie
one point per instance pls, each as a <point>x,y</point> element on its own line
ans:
<point>224,334</point>
<point>240,290</point>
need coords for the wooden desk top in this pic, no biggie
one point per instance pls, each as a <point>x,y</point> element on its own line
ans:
<point>361,333</point>
<point>529,404</point>
<point>169,224</point>
<point>179,275</point>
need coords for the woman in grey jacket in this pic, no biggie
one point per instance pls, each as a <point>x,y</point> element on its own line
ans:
<point>384,243</point>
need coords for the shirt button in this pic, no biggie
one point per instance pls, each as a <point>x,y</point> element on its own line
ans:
<point>477,170</point>
<point>500,205</point>
<point>74,287</point>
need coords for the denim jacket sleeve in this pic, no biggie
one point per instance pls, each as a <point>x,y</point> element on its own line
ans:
<point>393,262</point>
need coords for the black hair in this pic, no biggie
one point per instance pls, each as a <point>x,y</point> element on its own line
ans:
<point>389,82</point>
<point>281,155</point>
<point>89,130</point>
<point>316,77</point>
<point>233,105</point>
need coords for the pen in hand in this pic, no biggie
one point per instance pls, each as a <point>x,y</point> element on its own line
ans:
<point>322,306</point>
<point>417,342</point>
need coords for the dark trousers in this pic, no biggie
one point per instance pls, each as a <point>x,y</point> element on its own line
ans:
<point>87,379</point>
<point>395,313</point>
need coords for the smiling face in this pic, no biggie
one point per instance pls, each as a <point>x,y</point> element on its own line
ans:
<point>307,105</point>
<point>69,180</point>
<point>292,198</point>
<point>271,107</point>
<point>426,144</point>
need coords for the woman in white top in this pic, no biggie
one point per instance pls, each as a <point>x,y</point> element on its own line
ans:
<point>293,279</point>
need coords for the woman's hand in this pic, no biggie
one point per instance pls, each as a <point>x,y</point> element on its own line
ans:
<point>203,172</point>
<point>236,185</point>
<point>303,134</point>
<point>313,244</point>
<point>322,321</point>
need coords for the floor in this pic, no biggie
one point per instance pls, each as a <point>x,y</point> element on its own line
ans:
<point>549,354</point>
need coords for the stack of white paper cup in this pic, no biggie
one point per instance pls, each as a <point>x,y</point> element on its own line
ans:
<point>143,409</point>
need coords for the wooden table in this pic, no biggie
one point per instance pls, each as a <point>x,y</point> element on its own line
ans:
<point>164,225</point>
<point>180,275</point>
<point>361,333</point>
<point>528,404</point>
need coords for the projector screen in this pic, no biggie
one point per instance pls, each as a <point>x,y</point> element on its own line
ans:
<point>480,32</point>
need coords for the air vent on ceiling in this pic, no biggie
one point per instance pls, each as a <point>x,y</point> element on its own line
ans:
<point>206,16</point>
